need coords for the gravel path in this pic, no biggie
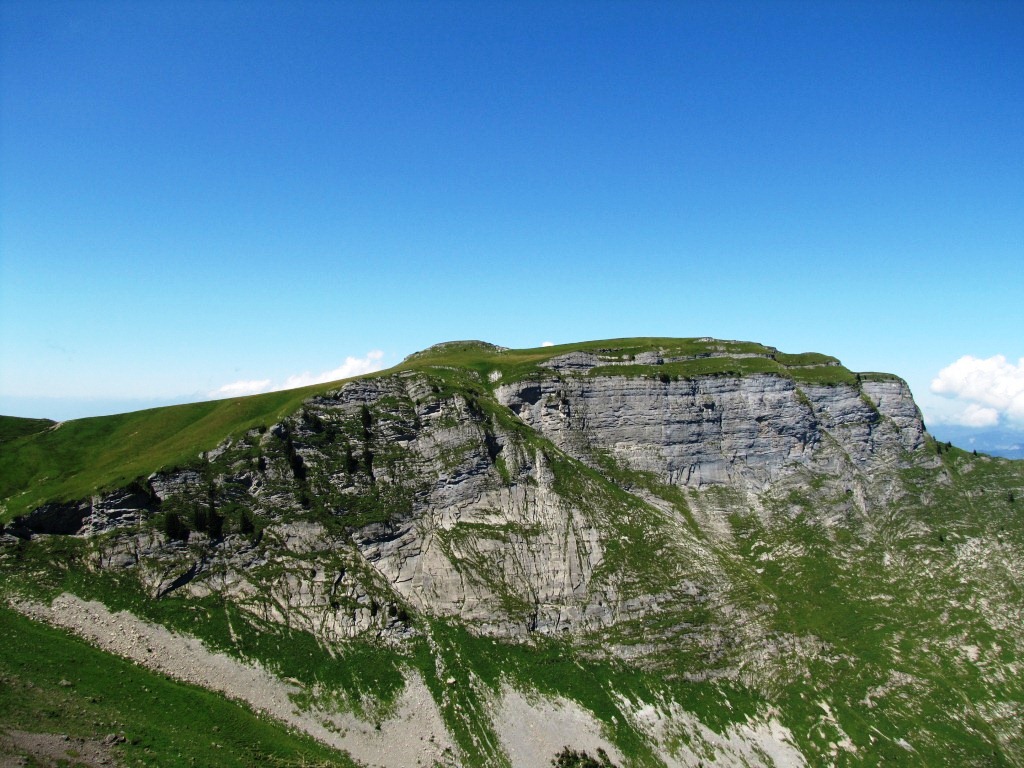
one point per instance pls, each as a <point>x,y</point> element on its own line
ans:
<point>415,735</point>
<point>533,730</point>
<point>17,748</point>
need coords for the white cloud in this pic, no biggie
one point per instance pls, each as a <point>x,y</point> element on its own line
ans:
<point>353,366</point>
<point>989,389</point>
<point>975,415</point>
<point>241,388</point>
<point>547,343</point>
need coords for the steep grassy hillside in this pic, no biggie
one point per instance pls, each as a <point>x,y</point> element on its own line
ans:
<point>45,461</point>
<point>12,427</point>
<point>53,682</point>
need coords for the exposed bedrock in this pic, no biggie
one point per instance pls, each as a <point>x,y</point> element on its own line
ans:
<point>748,431</point>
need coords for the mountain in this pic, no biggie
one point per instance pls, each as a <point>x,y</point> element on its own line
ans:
<point>646,552</point>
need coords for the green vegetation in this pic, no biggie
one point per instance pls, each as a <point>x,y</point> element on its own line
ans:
<point>704,357</point>
<point>362,676</point>
<point>83,456</point>
<point>12,427</point>
<point>571,758</point>
<point>826,373</point>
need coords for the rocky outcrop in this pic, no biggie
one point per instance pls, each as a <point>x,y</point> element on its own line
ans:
<point>713,430</point>
<point>122,508</point>
<point>506,556</point>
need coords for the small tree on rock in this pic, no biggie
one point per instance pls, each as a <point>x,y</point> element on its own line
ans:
<point>570,758</point>
<point>174,528</point>
<point>245,523</point>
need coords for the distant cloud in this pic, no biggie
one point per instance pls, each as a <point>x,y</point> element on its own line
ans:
<point>975,415</point>
<point>241,388</point>
<point>988,390</point>
<point>353,366</point>
<point>547,343</point>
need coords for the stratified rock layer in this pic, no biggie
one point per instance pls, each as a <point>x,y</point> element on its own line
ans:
<point>747,431</point>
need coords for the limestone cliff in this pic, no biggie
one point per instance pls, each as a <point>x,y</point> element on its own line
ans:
<point>745,431</point>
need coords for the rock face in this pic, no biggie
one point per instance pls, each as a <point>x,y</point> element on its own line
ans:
<point>746,431</point>
<point>119,509</point>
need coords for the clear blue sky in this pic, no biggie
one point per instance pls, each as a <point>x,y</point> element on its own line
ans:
<point>195,194</point>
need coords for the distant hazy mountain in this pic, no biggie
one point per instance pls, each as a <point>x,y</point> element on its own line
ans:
<point>1008,443</point>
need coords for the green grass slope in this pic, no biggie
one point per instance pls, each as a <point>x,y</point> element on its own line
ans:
<point>74,459</point>
<point>12,427</point>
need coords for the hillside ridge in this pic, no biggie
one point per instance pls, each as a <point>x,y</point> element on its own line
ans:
<point>84,456</point>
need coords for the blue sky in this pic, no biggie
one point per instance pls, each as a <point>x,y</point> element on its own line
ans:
<point>198,195</point>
